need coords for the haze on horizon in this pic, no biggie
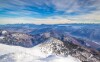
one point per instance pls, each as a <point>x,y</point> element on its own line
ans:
<point>49,11</point>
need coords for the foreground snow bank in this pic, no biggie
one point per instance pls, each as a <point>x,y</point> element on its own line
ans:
<point>20,54</point>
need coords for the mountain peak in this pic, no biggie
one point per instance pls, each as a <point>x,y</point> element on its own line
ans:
<point>58,47</point>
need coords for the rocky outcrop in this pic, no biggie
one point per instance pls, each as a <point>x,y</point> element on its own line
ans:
<point>58,47</point>
<point>18,39</point>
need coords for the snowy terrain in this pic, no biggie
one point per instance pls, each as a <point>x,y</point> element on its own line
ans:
<point>21,54</point>
<point>49,43</point>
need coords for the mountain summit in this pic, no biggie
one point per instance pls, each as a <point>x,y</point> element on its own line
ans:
<point>58,47</point>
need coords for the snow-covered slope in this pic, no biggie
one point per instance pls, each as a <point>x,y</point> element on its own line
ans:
<point>20,54</point>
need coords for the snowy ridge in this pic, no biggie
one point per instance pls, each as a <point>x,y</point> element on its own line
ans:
<point>52,46</point>
<point>20,54</point>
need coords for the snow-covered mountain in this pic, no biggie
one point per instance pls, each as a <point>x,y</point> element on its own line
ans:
<point>20,54</point>
<point>48,43</point>
<point>51,50</point>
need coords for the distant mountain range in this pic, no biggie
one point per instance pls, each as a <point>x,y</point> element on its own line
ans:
<point>89,31</point>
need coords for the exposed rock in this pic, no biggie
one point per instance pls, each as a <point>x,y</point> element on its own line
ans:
<point>58,47</point>
<point>18,39</point>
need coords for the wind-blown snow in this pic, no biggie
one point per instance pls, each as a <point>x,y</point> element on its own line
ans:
<point>2,37</point>
<point>21,54</point>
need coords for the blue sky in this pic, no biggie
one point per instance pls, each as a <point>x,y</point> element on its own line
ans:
<point>66,11</point>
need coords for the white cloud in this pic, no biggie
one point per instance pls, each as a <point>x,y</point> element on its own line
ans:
<point>75,5</point>
<point>23,13</point>
<point>51,20</point>
<point>88,18</point>
<point>33,20</point>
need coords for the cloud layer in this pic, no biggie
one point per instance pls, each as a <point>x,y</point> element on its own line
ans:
<point>86,9</point>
